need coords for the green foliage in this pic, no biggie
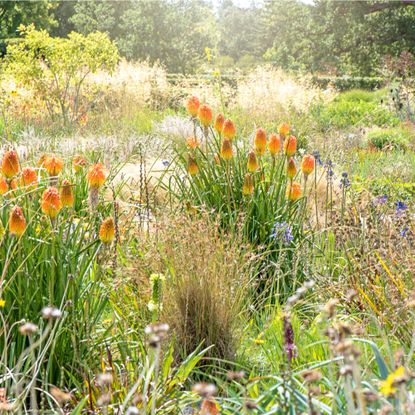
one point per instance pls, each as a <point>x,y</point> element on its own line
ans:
<point>56,68</point>
<point>390,138</point>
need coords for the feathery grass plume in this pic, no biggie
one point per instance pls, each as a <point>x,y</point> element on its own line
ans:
<point>293,192</point>
<point>66,194</point>
<point>28,177</point>
<point>4,187</point>
<point>226,150</point>
<point>307,164</point>
<point>229,130</point>
<point>260,141</point>
<point>51,202</point>
<point>17,221</point>
<point>53,165</point>
<point>192,167</point>
<point>192,143</point>
<point>252,164</point>
<point>283,129</point>
<point>10,165</point>
<point>291,168</point>
<point>219,121</point>
<point>97,175</point>
<point>274,144</point>
<point>107,230</point>
<point>290,146</point>
<point>205,115</point>
<point>248,186</point>
<point>192,105</point>
<point>78,163</point>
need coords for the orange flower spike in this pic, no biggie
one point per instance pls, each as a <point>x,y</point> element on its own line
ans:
<point>226,150</point>
<point>10,165</point>
<point>209,407</point>
<point>13,184</point>
<point>4,188</point>
<point>219,121</point>
<point>217,158</point>
<point>78,163</point>
<point>248,186</point>
<point>17,221</point>
<point>274,144</point>
<point>192,167</point>
<point>308,164</point>
<point>41,160</point>
<point>205,115</point>
<point>107,230</point>
<point>229,130</point>
<point>290,146</point>
<point>252,162</point>
<point>192,105</point>
<point>28,177</point>
<point>53,165</point>
<point>97,175</point>
<point>284,129</point>
<point>293,191</point>
<point>291,168</point>
<point>192,142</point>
<point>66,194</point>
<point>51,202</point>
<point>260,141</point>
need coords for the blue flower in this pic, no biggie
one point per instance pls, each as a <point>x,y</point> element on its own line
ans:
<point>166,163</point>
<point>400,207</point>
<point>329,168</point>
<point>403,232</point>
<point>283,232</point>
<point>344,181</point>
<point>380,200</point>
<point>317,157</point>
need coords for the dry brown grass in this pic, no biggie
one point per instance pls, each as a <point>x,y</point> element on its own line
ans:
<point>206,278</point>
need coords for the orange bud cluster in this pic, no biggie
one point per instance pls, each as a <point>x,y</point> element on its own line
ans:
<point>205,115</point>
<point>248,186</point>
<point>293,191</point>
<point>4,187</point>
<point>78,163</point>
<point>53,165</point>
<point>17,221</point>
<point>226,150</point>
<point>107,230</point>
<point>291,168</point>
<point>284,129</point>
<point>228,130</point>
<point>66,194</point>
<point>274,144</point>
<point>192,105</point>
<point>219,121</point>
<point>290,146</point>
<point>51,202</point>
<point>308,164</point>
<point>260,141</point>
<point>97,175</point>
<point>252,162</point>
<point>192,142</point>
<point>10,165</point>
<point>192,167</point>
<point>28,177</point>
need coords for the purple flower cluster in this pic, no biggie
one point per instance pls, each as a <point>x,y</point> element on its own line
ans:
<point>282,231</point>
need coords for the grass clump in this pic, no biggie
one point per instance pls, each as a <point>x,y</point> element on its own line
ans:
<point>390,138</point>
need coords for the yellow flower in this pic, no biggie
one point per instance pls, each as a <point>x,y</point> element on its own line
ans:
<point>387,386</point>
<point>259,339</point>
<point>2,303</point>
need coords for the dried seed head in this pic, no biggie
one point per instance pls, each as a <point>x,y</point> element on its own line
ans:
<point>330,307</point>
<point>236,375</point>
<point>60,395</point>
<point>205,390</point>
<point>346,370</point>
<point>28,329</point>
<point>104,399</point>
<point>157,328</point>
<point>311,376</point>
<point>49,313</point>
<point>104,379</point>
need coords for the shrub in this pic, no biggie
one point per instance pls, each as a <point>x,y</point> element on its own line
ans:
<point>56,68</point>
<point>390,138</point>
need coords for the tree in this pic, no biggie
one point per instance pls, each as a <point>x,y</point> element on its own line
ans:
<point>15,13</point>
<point>56,68</point>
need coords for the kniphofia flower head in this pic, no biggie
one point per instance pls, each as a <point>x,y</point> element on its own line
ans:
<point>53,165</point>
<point>283,129</point>
<point>252,162</point>
<point>274,144</point>
<point>209,407</point>
<point>51,202</point>
<point>192,167</point>
<point>78,163</point>
<point>308,164</point>
<point>290,146</point>
<point>228,130</point>
<point>13,184</point>
<point>291,168</point>
<point>248,186</point>
<point>28,177</point>
<point>192,105</point>
<point>107,230</point>
<point>66,194</point>
<point>205,115</point>
<point>219,121</point>
<point>226,150</point>
<point>192,142</point>
<point>293,192</point>
<point>97,174</point>
<point>17,221</point>
<point>4,187</point>
<point>260,141</point>
<point>10,165</point>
